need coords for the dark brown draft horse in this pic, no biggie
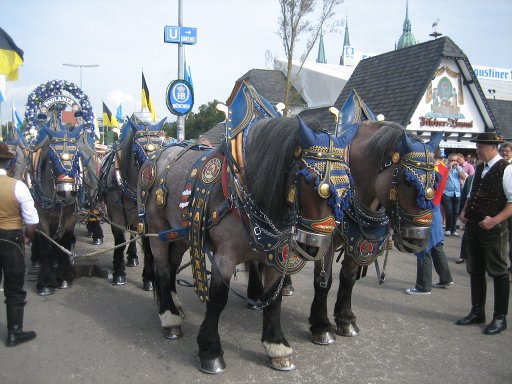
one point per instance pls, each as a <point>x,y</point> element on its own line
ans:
<point>118,189</point>
<point>393,184</point>
<point>288,193</point>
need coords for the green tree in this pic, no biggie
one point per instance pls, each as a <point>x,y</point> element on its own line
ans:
<point>198,123</point>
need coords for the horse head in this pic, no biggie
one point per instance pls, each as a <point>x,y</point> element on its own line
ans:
<point>64,159</point>
<point>408,198</point>
<point>146,139</point>
<point>321,189</point>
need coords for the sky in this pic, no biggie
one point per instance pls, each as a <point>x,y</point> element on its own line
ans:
<point>125,37</point>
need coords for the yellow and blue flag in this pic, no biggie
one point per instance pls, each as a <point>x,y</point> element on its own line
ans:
<point>11,56</point>
<point>109,120</point>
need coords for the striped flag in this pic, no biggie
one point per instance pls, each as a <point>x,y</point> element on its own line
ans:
<point>146,99</point>
<point>11,57</point>
<point>109,120</point>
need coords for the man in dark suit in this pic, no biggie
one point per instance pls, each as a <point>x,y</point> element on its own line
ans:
<point>485,214</point>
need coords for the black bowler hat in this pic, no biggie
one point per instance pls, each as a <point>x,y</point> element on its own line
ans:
<point>5,154</point>
<point>488,138</point>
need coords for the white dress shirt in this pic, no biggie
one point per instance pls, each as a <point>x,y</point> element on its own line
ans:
<point>22,194</point>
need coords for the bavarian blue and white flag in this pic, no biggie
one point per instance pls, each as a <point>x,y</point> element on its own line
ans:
<point>16,118</point>
<point>119,113</point>
<point>187,76</point>
<point>3,88</point>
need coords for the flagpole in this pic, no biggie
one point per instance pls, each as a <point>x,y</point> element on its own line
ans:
<point>181,119</point>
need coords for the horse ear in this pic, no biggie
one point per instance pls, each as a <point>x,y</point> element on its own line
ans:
<point>46,129</point>
<point>77,131</point>
<point>435,139</point>
<point>307,136</point>
<point>160,124</point>
<point>134,125</point>
<point>345,137</point>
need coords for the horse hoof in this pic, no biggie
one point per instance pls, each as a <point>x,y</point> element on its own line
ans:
<point>288,290</point>
<point>148,286</point>
<point>97,241</point>
<point>65,284</point>
<point>213,366</point>
<point>173,333</point>
<point>350,331</point>
<point>132,262</point>
<point>45,291</point>
<point>286,363</point>
<point>119,280</point>
<point>324,338</point>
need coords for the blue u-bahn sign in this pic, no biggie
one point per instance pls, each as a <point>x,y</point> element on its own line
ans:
<point>177,34</point>
<point>180,97</point>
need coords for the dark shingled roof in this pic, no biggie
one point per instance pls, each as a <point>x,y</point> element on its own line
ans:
<point>393,83</point>
<point>271,84</point>
<point>502,110</point>
<point>215,135</point>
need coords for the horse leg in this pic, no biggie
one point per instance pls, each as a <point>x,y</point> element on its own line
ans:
<point>148,273</point>
<point>132,259</point>
<point>170,317</point>
<point>255,289</point>
<point>208,339</point>
<point>275,344</point>
<point>64,270</point>
<point>118,273</point>
<point>320,326</point>
<point>46,281</point>
<point>344,317</point>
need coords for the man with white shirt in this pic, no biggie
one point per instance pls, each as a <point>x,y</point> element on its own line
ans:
<point>485,214</point>
<point>16,209</point>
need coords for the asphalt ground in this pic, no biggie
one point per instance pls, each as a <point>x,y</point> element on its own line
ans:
<point>94,332</point>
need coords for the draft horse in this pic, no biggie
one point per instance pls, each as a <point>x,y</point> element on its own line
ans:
<point>393,186</point>
<point>236,210</point>
<point>118,185</point>
<point>55,173</point>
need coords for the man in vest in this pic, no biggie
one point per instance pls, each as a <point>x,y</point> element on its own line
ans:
<point>486,211</point>
<point>16,208</point>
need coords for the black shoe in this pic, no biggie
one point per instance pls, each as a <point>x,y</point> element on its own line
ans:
<point>475,317</point>
<point>18,337</point>
<point>498,324</point>
<point>97,241</point>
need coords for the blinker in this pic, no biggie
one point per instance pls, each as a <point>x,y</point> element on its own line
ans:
<point>324,191</point>
<point>429,193</point>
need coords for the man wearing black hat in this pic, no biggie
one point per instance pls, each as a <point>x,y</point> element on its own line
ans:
<point>486,211</point>
<point>16,208</point>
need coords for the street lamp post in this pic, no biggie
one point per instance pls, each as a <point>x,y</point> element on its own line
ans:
<point>81,66</point>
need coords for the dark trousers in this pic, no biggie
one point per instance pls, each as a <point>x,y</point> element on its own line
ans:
<point>437,257</point>
<point>486,250</point>
<point>510,243</point>
<point>95,228</point>
<point>451,209</point>
<point>12,264</point>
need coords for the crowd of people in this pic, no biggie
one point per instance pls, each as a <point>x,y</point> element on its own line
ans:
<point>479,197</point>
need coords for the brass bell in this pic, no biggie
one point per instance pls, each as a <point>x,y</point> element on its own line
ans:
<point>65,156</point>
<point>150,147</point>
<point>324,191</point>
<point>395,158</point>
<point>429,193</point>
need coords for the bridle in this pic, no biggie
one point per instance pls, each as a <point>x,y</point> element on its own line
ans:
<point>417,225</point>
